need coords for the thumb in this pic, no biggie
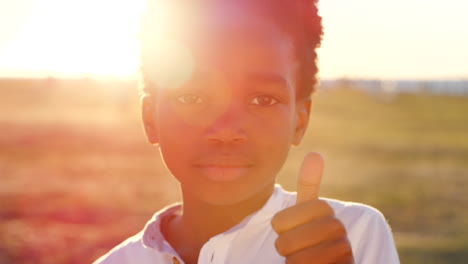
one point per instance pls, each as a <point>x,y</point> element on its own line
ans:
<point>310,176</point>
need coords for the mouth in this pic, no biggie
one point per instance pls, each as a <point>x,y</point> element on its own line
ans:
<point>224,170</point>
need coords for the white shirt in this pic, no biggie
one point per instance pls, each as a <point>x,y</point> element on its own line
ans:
<point>252,240</point>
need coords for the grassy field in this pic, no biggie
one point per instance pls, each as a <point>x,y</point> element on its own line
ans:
<point>77,175</point>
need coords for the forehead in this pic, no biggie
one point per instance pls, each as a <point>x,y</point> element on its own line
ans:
<point>191,16</point>
<point>234,15</point>
<point>237,27</point>
<point>228,35</point>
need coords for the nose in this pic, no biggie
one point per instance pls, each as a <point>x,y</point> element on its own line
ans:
<point>228,127</point>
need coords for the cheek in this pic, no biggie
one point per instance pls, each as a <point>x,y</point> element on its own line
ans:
<point>275,126</point>
<point>176,138</point>
<point>172,124</point>
<point>274,135</point>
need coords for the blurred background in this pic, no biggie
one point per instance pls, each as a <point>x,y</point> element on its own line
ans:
<point>77,175</point>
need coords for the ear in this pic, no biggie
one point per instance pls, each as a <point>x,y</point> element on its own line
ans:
<point>302,119</point>
<point>148,113</point>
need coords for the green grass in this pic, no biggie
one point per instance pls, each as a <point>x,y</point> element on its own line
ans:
<point>78,176</point>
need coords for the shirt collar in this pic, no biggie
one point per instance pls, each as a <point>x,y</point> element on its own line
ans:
<point>154,238</point>
<point>152,234</point>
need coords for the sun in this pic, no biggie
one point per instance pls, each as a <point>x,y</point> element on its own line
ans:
<point>85,37</point>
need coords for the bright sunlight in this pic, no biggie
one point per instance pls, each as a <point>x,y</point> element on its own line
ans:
<point>99,38</point>
<point>69,38</point>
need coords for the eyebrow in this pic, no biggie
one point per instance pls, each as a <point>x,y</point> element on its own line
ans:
<point>270,78</point>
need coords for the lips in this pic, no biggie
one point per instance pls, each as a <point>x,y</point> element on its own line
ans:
<point>224,161</point>
<point>224,169</point>
<point>224,165</point>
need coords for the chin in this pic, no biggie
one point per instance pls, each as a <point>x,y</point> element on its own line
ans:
<point>227,192</point>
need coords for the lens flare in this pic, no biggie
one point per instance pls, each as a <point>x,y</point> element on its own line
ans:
<point>168,64</point>
<point>165,61</point>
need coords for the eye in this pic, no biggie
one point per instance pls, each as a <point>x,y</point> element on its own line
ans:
<point>264,100</point>
<point>189,99</point>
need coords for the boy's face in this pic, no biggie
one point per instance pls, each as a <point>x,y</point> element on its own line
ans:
<point>226,132</point>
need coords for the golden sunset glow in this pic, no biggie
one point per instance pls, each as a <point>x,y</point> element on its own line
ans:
<point>363,38</point>
<point>130,124</point>
<point>74,38</point>
<point>170,62</point>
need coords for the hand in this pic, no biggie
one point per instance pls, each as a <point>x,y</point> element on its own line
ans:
<point>309,232</point>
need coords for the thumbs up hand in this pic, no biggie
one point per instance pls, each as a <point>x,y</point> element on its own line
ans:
<point>309,232</point>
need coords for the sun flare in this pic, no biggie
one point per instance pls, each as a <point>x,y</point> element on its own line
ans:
<point>362,38</point>
<point>80,38</point>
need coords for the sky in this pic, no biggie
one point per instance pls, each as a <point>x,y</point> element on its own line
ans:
<point>398,39</point>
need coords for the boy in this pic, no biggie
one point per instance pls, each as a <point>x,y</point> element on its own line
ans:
<point>224,103</point>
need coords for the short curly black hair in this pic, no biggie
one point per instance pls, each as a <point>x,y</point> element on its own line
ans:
<point>297,18</point>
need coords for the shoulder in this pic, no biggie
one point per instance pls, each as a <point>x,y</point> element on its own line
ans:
<point>345,211</point>
<point>120,254</point>
<point>145,247</point>
<point>348,212</point>
<point>368,232</point>
<point>132,250</point>
<point>360,220</point>
<point>351,212</point>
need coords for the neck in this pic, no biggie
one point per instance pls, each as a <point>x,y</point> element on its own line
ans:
<point>203,220</point>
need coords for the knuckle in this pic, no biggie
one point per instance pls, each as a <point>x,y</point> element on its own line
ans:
<point>298,259</point>
<point>343,246</point>
<point>282,245</point>
<point>323,207</point>
<point>276,223</point>
<point>321,201</point>
<point>282,221</point>
<point>326,207</point>
<point>337,226</point>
